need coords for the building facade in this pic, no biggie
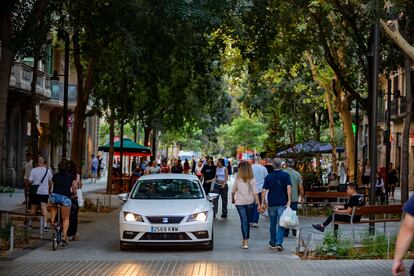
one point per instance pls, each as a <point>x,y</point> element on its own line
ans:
<point>49,113</point>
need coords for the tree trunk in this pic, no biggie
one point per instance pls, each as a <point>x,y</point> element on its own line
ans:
<point>84,88</point>
<point>33,122</point>
<point>111,152</point>
<point>394,34</point>
<point>147,132</point>
<point>406,132</point>
<point>343,104</point>
<point>121,150</point>
<point>154,145</point>
<point>331,129</point>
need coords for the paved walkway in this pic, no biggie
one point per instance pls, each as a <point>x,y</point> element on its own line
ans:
<point>97,253</point>
<point>199,268</point>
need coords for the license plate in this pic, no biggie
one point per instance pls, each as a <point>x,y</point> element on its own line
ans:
<point>164,229</point>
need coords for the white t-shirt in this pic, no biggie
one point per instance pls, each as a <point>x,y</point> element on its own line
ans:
<point>259,173</point>
<point>36,175</point>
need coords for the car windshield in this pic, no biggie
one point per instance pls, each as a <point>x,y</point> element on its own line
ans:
<point>167,189</point>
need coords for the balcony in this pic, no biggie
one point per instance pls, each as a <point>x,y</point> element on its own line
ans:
<point>21,79</point>
<point>398,108</point>
<point>56,99</point>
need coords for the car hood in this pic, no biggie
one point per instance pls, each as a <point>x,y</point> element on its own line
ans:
<point>166,207</point>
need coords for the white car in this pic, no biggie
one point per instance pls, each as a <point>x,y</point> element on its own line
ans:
<point>167,209</point>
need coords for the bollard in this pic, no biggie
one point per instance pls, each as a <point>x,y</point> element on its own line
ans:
<point>42,227</point>
<point>98,209</point>
<point>11,239</point>
<point>388,245</point>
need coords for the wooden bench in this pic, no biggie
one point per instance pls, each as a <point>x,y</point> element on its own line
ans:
<point>324,198</point>
<point>367,212</point>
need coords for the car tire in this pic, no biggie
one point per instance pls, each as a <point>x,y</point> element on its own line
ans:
<point>210,244</point>
<point>124,247</point>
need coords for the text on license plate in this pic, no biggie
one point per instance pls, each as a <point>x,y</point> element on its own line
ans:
<point>164,229</point>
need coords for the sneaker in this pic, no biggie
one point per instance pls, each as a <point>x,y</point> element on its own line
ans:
<point>224,216</point>
<point>279,247</point>
<point>272,246</point>
<point>245,246</point>
<point>255,225</point>
<point>318,227</point>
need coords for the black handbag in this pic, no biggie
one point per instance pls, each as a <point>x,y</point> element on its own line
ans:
<point>33,188</point>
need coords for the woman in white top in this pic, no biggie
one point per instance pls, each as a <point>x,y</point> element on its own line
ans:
<point>244,196</point>
<point>198,170</point>
<point>221,188</point>
<point>40,180</point>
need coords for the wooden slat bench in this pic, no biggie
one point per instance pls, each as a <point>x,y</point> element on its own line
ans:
<point>368,211</point>
<point>324,198</point>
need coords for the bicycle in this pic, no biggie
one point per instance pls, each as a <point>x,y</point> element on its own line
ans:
<point>57,230</point>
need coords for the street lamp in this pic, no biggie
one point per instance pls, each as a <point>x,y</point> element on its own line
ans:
<point>65,94</point>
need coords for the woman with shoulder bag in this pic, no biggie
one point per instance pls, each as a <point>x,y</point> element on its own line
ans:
<point>221,188</point>
<point>244,196</point>
<point>39,180</point>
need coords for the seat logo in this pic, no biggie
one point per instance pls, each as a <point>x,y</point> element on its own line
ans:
<point>164,220</point>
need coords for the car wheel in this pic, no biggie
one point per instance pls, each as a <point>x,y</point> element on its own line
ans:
<point>124,247</point>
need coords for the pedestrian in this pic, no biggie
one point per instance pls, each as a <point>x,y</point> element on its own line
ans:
<point>74,210</point>
<point>198,170</point>
<point>259,174</point>
<point>333,184</point>
<point>278,187</point>
<point>344,214</point>
<point>379,188</point>
<point>193,165</point>
<point>366,172</point>
<point>164,167</point>
<point>404,239</point>
<point>244,196</point>
<point>94,168</point>
<point>40,179</point>
<point>269,166</point>
<point>26,169</point>
<point>177,168</point>
<point>186,168</point>
<point>208,174</point>
<point>63,184</point>
<point>99,166</point>
<point>297,189</point>
<point>342,173</point>
<point>392,180</point>
<point>221,188</point>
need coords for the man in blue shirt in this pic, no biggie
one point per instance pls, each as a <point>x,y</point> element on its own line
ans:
<point>404,239</point>
<point>279,188</point>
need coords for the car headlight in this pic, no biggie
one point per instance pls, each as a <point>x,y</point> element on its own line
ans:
<point>129,217</point>
<point>201,217</point>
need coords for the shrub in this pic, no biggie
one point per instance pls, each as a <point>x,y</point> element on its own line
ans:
<point>334,246</point>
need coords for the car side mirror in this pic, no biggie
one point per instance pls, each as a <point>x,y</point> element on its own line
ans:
<point>212,196</point>
<point>123,197</point>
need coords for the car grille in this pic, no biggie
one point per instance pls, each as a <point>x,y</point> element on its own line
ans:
<point>165,220</point>
<point>165,236</point>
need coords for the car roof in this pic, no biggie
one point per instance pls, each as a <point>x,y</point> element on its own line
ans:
<point>168,176</point>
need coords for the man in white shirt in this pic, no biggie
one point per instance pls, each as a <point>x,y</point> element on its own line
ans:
<point>259,173</point>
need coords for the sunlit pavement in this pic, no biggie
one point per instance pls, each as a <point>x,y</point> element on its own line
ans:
<point>97,253</point>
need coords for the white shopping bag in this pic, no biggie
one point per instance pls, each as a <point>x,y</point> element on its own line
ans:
<point>289,219</point>
<point>80,197</point>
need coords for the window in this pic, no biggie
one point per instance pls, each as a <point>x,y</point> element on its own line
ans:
<point>167,189</point>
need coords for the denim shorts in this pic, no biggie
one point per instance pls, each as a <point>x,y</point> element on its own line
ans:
<point>57,199</point>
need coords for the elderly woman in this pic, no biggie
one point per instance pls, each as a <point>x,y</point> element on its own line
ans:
<point>63,184</point>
